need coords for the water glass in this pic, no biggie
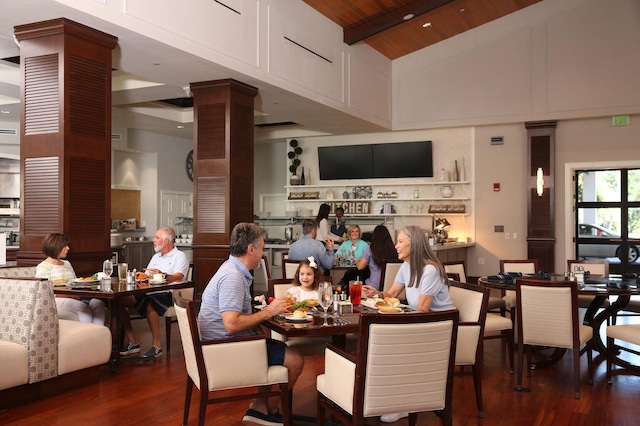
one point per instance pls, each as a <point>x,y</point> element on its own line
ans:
<point>122,272</point>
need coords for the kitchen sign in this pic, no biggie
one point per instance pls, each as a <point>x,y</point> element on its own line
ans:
<point>352,207</point>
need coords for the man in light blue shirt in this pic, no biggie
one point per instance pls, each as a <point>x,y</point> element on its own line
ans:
<point>309,246</point>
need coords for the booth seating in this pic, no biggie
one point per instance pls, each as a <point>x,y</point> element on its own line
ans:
<point>40,354</point>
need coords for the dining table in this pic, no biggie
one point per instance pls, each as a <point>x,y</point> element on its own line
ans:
<point>618,288</point>
<point>111,292</point>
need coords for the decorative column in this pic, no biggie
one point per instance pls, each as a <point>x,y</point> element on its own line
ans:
<point>65,140</point>
<point>540,218</point>
<point>223,170</point>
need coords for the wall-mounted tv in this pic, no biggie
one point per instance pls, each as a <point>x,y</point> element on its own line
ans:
<point>345,162</point>
<point>384,160</point>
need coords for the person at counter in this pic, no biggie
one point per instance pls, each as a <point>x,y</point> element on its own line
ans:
<point>58,271</point>
<point>324,233</point>
<point>308,245</point>
<point>226,312</point>
<point>339,228</point>
<point>167,260</point>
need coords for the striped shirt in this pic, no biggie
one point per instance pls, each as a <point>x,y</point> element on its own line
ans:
<point>228,290</point>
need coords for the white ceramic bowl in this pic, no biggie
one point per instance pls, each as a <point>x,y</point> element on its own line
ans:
<point>260,214</point>
<point>291,213</point>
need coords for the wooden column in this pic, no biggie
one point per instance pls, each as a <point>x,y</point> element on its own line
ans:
<point>540,221</point>
<point>223,170</point>
<point>65,146</point>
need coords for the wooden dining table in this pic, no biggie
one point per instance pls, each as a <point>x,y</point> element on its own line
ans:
<point>112,294</point>
<point>596,314</point>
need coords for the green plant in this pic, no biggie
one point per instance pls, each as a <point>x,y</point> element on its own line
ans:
<point>296,150</point>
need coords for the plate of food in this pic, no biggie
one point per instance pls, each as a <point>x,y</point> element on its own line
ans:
<point>158,282</point>
<point>84,281</point>
<point>299,316</point>
<point>384,309</point>
<point>60,282</point>
<point>141,276</point>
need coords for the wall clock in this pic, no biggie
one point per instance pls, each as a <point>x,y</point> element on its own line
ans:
<point>190,165</point>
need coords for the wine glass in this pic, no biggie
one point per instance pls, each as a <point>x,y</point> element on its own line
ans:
<point>325,293</point>
<point>107,269</point>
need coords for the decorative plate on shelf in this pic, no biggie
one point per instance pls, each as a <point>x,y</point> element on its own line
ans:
<point>362,192</point>
<point>189,165</point>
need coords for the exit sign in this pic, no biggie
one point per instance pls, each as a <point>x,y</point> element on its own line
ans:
<point>620,120</point>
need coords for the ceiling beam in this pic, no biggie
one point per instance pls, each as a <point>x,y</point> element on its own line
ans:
<point>391,19</point>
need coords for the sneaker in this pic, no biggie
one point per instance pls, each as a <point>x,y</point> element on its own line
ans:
<point>131,348</point>
<point>256,418</point>
<point>153,352</point>
<point>390,418</point>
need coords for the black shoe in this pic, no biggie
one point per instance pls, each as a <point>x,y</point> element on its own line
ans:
<point>153,352</point>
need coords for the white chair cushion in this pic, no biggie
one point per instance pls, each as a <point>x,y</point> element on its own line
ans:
<point>495,322</point>
<point>629,333</point>
<point>82,345</point>
<point>14,362</point>
<point>467,344</point>
<point>338,380</point>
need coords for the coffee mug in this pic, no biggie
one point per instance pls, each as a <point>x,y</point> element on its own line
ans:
<point>159,277</point>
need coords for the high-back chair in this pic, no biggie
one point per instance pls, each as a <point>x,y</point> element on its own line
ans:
<point>261,276</point>
<point>389,270</point>
<point>277,287</point>
<point>594,267</point>
<point>391,348</point>
<point>524,266</point>
<point>289,268</point>
<point>458,267</point>
<point>214,365</point>
<point>547,315</point>
<point>629,333</point>
<point>471,300</point>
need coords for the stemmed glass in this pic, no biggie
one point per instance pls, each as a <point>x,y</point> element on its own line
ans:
<point>107,269</point>
<point>325,293</point>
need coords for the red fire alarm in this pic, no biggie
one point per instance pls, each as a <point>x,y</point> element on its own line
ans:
<point>496,187</point>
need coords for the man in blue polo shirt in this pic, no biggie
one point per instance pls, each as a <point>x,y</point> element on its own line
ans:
<point>226,312</point>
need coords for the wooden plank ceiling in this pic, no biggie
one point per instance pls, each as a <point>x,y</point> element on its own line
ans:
<point>381,23</point>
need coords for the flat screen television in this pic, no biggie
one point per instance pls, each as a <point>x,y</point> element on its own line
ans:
<point>345,162</point>
<point>385,160</point>
<point>401,160</point>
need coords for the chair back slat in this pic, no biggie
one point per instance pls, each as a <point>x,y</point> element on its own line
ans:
<point>277,287</point>
<point>524,266</point>
<point>596,267</point>
<point>456,268</point>
<point>289,268</point>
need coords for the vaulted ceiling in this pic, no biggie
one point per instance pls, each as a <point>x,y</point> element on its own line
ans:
<point>398,27</point>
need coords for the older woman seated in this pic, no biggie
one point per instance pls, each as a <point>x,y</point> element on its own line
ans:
<point>353,245</point>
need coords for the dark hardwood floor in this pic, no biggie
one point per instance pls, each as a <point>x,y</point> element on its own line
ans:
<point>153,394</point>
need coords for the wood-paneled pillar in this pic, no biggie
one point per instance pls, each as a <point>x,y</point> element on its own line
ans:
<point>223,170</point>
<point>540,221</point>
<point>65,145</point>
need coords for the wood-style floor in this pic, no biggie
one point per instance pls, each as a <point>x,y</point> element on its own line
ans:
<point>153,394</point>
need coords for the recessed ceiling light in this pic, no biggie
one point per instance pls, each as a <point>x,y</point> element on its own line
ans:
<point>462,10</point>
<point>5,112</point>
<point>408,16</point>
<point>426,25</point>
<point>180,127</point>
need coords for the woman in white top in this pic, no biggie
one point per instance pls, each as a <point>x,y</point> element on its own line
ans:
<point>324,233</point>
<point>56,247</point>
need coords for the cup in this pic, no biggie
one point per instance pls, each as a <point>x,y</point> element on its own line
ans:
<point>105,284</point>
<point>355,292</point>
<point>122,271</point>
<point>159,277</point>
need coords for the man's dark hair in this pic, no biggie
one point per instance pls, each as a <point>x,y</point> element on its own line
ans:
<point>308,226</point>
<point>339,208</point>
<point>242,235</point>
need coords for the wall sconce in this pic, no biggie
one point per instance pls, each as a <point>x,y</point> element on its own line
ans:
<point>540,182</point>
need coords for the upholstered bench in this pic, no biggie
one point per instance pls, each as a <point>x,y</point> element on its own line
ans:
<point>41,355</point>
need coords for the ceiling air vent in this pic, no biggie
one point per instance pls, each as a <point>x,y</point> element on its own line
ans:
<point>282,123</point>
<point>11,132</point>
<point>116,137</point>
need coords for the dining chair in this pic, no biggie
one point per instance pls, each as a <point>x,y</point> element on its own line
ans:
<point>389,270</point>
<point>629,333</point>
<point>547,315</point>
<point>277,287</point>
<point>524,266</point>
<point>377,379</point>
<point>471,301</point>
<point>593,266</point>
<point>458,266</point>
<point>214,367</point>
<point>289,268</point>
<point>261,276</point>
<point>453,276</point>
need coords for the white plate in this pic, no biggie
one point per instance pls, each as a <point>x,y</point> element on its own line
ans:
<point>84,282</point>
<point>401,312</point>
<point>291,318</point>
<point>154,282</point>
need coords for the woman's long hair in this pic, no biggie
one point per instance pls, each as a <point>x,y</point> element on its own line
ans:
<point>421,255</point>
<point>323,212</point>
<point>382,246</point>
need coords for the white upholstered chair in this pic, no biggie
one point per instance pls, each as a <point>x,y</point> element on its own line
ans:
<point>289,268</point>
<point>547,315</point>
<point>458,267</point>
<point>595,267</point>
<point>524,266</point>
<point>379,380</point>
<point>233,364</point>
<point>629,333</point>
<point>389,270</point>
<point>471,300</point>
<point>261,276</point>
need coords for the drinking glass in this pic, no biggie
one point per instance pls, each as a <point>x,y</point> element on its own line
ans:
<point>325,293</point>
<point>107,269</point>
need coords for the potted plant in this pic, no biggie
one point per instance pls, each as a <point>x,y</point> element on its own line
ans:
<point>296,150</point>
